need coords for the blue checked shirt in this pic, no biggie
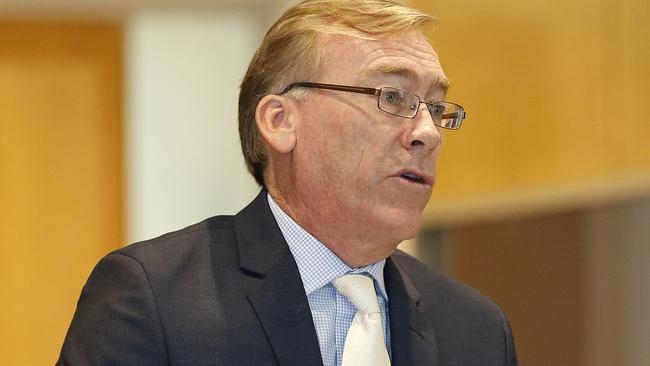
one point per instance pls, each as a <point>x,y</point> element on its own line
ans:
<point>318,266</point>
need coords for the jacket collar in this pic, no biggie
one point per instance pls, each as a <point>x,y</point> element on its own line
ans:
<point>278,297</point>
<point>282,307</point>
<point>413,340</point>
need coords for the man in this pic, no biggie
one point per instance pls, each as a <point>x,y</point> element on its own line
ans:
<point>340,112</point>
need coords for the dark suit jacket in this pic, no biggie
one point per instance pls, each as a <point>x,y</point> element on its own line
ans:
<point>227,291</point>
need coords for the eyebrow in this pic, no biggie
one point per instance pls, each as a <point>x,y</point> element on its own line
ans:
<point>408,74</point>
<point>386,69</point>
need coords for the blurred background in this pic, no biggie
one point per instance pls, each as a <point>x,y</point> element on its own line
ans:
<point>118,123</point>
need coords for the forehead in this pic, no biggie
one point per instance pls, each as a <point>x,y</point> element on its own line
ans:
<point>407,55</point>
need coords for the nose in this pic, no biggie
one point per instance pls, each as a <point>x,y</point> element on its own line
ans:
<point>422,134</point>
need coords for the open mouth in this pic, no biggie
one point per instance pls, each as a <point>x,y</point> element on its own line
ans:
<point>413,178</point>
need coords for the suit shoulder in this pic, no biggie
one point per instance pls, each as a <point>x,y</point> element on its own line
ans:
<point>473,330</point>
<point>192,238</point>
<point>438,288</point>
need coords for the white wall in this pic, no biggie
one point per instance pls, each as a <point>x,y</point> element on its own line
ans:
<point>183,156</point>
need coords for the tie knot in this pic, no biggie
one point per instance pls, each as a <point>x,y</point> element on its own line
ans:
<point>360,290</point>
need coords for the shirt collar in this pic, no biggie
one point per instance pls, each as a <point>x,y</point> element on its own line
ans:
<point>318,265</point>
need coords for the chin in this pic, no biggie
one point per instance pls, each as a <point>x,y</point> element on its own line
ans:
<point>402,224</point>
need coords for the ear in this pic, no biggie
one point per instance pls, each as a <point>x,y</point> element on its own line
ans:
<point>275,116</point>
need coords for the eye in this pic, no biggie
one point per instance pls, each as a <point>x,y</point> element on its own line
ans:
<point>436,110</point>
<point>391,96</point>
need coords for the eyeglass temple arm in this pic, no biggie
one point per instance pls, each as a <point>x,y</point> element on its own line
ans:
<point>352,89</point>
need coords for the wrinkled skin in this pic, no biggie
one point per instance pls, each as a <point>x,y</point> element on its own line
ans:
<point>341,177</point>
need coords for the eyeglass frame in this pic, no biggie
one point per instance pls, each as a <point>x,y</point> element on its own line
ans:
<point>377,93</point>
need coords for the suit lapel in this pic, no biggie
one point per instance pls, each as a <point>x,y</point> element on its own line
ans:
<point>278,298</point>
<point>413,340</point>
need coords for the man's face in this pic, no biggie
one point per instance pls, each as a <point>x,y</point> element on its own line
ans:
<point>354,164</point>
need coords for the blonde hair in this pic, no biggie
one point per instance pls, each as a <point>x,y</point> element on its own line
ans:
<point>290,52</point>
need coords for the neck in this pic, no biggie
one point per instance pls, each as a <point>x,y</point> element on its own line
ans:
<point>352,241</point>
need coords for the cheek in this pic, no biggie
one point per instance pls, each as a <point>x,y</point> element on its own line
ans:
<point>347,149</point>
<point>321,154</point>
<point>333,166</point>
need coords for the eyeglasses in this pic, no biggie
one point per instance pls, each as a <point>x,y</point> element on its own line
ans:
<point>399,102</point>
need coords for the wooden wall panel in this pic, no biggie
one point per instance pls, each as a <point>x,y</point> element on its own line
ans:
<point>60,176</point>
<point>556,94</point>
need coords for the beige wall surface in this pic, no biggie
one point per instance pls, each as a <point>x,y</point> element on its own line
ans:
<point>60,177</point>
<point>617,284</point>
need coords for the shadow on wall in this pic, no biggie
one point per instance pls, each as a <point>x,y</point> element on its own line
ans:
<point>574,284</point>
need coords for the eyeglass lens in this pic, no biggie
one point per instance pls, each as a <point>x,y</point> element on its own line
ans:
<point>405,104</point>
